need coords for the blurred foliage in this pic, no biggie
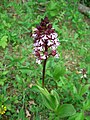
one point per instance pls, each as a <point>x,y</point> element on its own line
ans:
<point>86,2</point>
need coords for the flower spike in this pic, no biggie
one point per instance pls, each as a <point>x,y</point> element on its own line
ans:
<point>45,41</point>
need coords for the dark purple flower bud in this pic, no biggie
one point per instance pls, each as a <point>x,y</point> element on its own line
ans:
<point>46,53</point>
<point>46,32</point>
<point>43,24</point>
<point>37,32</point>
<point>50,26</point>
<point>42,20</point>
<point>52,31</point>
<point>46,20</point>
<point>39,27</point>
<point>53,52</point>
<point>37,54</point>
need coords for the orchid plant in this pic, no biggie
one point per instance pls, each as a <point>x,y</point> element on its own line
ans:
<point>45,43</point>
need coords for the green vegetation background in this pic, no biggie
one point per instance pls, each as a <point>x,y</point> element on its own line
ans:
<point>18,69</point>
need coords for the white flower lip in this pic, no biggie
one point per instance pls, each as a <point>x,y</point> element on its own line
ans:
<point>44,38</point>
<point>41,42</point>
<point>34,35</point>
<point>49,42</point>
<point>43,57</point>
<point>56,56</point>
<point>40,48</point>
<point>38,61</point>
<point>54,35</point>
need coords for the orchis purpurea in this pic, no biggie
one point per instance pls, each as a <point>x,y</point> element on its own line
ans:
<point>45,43</point>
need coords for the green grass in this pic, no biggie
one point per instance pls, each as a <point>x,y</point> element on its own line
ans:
<point>19,71</point>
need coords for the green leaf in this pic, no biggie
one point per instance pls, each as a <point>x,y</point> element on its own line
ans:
<point>53,13</point>
<point>86,105</point>
<point>87,117</point>
<point>74,89</point>
<point>56,26</point>
<point>25,70</point>
<point>9,107</point>
<point>58,71</point>
<point>3,41</point>
<point>84,89</point>
<point>53,103</point>
<point>50,100</point>
<point>57,98</point>
<point>76,36</point>
<point>72,117</point>
<point>5,72</point>
<point>21,115</point>
<point>46,102</point>
<point>52,8</point>
<point>77,116</point>
<point>34,89</point>
<point>52,5</point>
<point>44,91</point>
<point>2,81</point>
<point>88,72</point>
<point>60,84</point>
<point>41,0</point>
<point>65,110</point>
<point>80,116</point>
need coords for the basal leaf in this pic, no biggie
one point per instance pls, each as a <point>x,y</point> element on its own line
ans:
<point>80,116</point>
<point>65,110</point>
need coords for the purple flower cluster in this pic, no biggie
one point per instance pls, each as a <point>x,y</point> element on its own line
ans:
<point>45,41</point>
